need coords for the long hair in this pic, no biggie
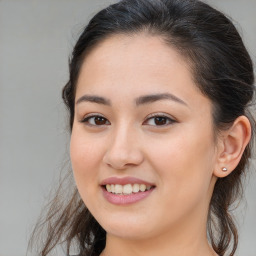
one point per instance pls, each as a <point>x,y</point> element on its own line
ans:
<point>222,70</point>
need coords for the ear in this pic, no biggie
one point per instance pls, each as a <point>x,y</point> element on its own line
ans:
<point>231,145</point>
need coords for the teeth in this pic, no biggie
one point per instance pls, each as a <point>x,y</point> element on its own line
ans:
<point>127,189</point>
<point>118,189</point>
<point>108,187</point>
<point>136,188</point>
<point>143,187</point>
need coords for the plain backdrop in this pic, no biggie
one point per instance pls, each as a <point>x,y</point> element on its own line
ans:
<point>36,38</point>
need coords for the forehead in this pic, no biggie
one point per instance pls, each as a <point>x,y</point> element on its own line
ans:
<point>140,63</point>
<point>140,50</point>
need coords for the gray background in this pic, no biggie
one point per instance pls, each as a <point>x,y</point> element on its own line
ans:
<point>36,37</point>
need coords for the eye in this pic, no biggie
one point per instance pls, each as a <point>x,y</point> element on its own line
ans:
<point>159,120</point>
<point>95,120</point>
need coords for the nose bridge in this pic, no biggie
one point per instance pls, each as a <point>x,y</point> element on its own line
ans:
<point>124,147</point>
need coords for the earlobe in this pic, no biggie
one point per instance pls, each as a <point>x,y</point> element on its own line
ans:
<point>232,145</point>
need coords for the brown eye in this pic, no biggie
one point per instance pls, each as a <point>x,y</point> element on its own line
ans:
<point>96,120</point>
<point>159,120</point>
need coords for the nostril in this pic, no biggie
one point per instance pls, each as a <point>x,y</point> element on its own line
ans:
<point>122,160</point>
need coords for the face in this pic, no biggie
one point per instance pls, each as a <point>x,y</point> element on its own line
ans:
<point>142,145</point>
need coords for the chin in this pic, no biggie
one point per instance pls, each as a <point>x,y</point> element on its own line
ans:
<point>128,233</point>
<point>128,227</point>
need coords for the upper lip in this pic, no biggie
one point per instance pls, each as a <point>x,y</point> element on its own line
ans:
<point>124,181</point>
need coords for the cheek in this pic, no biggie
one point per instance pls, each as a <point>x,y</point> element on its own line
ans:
<point>85,159</point>
<point>181,153</point>
<point>184,164</point>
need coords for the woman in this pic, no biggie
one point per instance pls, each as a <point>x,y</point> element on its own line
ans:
<point>161,133</point>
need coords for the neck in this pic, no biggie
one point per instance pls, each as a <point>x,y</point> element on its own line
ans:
<point>115,247</point>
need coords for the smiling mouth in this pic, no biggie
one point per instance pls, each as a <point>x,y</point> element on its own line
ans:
<point>127,189</point>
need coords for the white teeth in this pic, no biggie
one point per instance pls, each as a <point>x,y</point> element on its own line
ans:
<point>143,187</point>
<point>118,189</point>
<point>127,189</point>
<point>135,188</point>
<point>108,187</point>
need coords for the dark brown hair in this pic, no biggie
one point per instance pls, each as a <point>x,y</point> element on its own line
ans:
<point>222,70</point>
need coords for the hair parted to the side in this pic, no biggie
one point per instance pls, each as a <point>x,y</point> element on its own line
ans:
<point>222,70</point>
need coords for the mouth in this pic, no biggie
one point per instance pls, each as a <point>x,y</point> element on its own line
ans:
<point>127,189</point>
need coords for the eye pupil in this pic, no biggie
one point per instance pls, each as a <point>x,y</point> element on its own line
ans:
<point>99,120</point>
<point>160,120</point>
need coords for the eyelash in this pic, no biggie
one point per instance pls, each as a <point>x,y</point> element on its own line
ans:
<point>87,118</point>
<point>150,117</point>
<point>158,115</point>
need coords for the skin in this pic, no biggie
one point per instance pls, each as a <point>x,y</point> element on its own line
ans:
<point>181,158</point>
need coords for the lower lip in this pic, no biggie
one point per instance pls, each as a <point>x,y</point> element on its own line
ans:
<point>125,199</point>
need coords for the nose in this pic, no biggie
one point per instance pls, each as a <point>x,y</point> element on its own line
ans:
<point>123,150</point>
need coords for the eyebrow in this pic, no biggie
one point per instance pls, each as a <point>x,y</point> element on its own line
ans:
<point>146,99</point>
<point>93,99</point>
<point>156,97</point>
